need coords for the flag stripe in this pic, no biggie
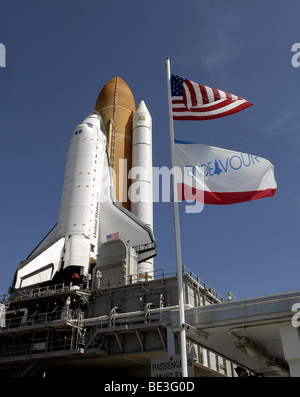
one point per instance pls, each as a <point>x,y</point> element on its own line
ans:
<point>191,97</point>
<point>216,93</point>
<point>186,192</point>
<point>204,94</point>
<point>192,101</point>
<point>179,105</point>
<point>206,113</point>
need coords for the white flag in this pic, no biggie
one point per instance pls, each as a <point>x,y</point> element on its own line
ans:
<point>217,176</point>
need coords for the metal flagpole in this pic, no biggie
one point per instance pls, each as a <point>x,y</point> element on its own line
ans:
<point>177,231</point>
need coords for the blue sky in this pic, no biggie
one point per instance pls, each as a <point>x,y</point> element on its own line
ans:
<point>60,53</point>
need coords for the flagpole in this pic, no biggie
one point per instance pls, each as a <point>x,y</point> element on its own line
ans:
<point>177,231</point>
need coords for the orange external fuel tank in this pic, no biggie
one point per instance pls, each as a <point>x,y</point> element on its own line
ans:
<point>116,106</point>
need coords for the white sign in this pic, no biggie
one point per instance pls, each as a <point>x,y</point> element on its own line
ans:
<point>2,315</point>
<point>2,56</point>
<point>170,366</point>
<point>39,346</point>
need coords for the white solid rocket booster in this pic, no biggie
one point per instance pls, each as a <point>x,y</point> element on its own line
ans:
<point>140,192</point>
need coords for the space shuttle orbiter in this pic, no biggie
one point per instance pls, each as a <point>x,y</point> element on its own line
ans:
<point>90,215</point>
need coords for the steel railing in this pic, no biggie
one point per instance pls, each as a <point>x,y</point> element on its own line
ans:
<point>131,279</point>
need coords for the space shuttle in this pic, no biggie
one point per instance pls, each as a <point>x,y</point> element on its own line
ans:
<point>98,227</point>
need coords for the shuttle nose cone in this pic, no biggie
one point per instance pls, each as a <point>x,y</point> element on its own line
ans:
<point>142,108</point>
<point>142,116</point>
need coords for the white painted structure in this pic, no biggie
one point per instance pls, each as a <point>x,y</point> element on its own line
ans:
<point>80,203</point>
<point>89,215</point>
<point>290,338</point>
<point>141,191</point>
<point>258,333</point>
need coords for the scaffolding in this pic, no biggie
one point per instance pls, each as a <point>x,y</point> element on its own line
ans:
<point>101,326</point>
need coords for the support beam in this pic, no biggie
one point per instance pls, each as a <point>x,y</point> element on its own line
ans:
<point>290,339</point>
<point>140,339</point>
<point>170,341</point>
<point>118,341</point>
<point>161,338</point>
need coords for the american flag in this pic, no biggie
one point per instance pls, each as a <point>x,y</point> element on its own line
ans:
<point>113,236</point>
<point>192,101</point>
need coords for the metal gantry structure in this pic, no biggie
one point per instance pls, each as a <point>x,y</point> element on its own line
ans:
<point>115,325</point>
